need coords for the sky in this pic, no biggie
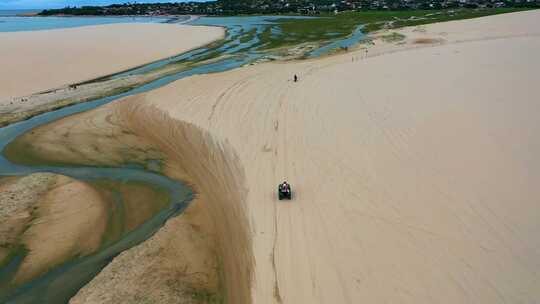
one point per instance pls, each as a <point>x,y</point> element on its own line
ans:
<point>41,4</point>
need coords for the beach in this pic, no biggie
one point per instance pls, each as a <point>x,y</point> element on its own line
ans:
<point>61,57</point>
<point>413,167</point>
<point>413,164</point>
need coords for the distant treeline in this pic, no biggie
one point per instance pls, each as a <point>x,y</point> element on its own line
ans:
<point>235,7</point>
<point>85,10</point>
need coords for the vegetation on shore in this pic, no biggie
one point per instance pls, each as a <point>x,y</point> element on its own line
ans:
<point>295,31</point>
<point>283,7</point>
<point>393,37</point>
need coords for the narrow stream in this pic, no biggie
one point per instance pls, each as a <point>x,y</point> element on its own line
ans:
<point>63,282</point>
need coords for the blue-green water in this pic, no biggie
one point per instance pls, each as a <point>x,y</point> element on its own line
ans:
<point>16,24</point>
<point>6,12</point>
<point>61,283</point>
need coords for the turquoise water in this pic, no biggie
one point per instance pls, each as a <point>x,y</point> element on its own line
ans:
<point>243,52</point>
<point>18,24</point>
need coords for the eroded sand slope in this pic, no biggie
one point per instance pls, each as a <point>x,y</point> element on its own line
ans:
<point>41,60</point>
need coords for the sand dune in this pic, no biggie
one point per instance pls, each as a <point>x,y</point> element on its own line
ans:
<point>495,27</point>
<point>66,56</point>
<point>415,172</point>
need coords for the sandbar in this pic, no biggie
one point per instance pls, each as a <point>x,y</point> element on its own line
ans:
<point>37,61</point>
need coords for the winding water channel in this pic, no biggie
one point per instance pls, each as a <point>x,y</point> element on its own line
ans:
<point>62,282</point>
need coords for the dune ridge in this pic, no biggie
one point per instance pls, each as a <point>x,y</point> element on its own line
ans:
<point>213,170</point>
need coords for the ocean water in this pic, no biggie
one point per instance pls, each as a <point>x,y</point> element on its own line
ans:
<point>10,22</point>
<point>4,13</point>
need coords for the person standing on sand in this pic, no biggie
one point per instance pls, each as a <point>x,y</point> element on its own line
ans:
<point>295,78</point>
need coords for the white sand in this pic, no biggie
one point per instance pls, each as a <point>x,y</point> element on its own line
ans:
<point>415,174</point>
<point>36,61</point>
<point>495,27</point>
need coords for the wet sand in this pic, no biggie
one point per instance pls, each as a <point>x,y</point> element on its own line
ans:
<point>69,221</point>
<point>17,198</point>
<point>184,260</point>
<point>414,172</point>
<point>48,220</point>
<point>53,217</point>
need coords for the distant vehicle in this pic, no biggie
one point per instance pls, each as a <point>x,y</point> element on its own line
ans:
<point>284,191</point>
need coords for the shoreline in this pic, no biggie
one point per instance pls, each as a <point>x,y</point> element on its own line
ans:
<point>166,17</point>
<point>113,16</point>
<point>98,87</point>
